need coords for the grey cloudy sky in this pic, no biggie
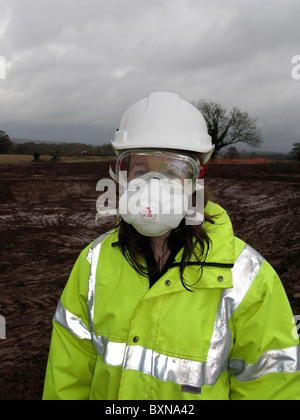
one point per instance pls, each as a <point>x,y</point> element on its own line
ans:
<point>74,67</point>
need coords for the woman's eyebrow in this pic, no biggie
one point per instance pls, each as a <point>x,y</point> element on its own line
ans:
<point>139,164</point>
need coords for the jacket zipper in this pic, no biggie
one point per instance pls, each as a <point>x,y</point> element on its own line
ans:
<point>205,264</point>
<point>191,263</point>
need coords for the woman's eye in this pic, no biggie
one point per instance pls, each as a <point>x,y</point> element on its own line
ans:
<point>172,172</point>
<point>137,174</point>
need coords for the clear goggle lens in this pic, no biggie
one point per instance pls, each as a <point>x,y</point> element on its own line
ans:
<point>170,164</point>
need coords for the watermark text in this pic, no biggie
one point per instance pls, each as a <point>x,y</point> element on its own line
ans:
<point>296,68</point>
<point>171,196</point>
<point>296,329</point>
<point>2,328</point>
<point>2,67</point>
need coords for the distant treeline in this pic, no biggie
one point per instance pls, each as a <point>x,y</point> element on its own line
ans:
<point>75,149</point>
<point>7,146</point>
<point>233,153</point>
<point>61,149</point>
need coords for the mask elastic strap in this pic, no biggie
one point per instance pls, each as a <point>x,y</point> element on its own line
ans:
<point>112,174</point>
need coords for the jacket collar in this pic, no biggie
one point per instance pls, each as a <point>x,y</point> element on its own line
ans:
<point>221,235</point>
<point>220,257</point>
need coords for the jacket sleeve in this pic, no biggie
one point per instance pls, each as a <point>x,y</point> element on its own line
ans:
<point>72,357</point>
<point>265,358</point>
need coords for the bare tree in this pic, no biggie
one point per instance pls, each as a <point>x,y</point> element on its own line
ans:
<point>227,128</point>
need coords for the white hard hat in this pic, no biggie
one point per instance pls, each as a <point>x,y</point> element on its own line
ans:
<point>164,121</point>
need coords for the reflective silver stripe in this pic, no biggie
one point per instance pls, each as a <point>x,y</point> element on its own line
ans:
<point>93,257</point>
<point>273,361</point>
<point>112,352</point>
<point>93,254</point>
<point>244,271</point>
<point>167,368</point>
<point>71,322</point>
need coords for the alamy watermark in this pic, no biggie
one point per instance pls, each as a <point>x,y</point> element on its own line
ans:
<point>107,202</point>
<point>2,67</point>
<point>2,328</point>
<point>296,329</point>
<point>296,68</point>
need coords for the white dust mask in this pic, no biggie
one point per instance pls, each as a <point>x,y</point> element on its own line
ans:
<point>153,204</point>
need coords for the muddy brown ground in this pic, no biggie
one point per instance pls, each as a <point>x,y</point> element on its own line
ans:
<point>47,214</point>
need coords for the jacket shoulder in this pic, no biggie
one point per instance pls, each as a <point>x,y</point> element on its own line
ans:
<point>242,249</point>
<point>110,236</point>
<point>74,296</point>
<point>238,247</point>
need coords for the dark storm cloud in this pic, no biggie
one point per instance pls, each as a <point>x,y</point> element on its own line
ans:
<point>74,67</point>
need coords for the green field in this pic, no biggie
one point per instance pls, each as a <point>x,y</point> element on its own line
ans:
<point>16,159</point>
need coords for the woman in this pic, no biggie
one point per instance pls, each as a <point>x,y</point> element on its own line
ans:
<point>170,304</point>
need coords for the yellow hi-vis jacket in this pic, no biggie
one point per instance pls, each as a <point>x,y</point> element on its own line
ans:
<point>233,338</point>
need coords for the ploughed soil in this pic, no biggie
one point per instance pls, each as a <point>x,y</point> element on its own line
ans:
<point>47,216</point>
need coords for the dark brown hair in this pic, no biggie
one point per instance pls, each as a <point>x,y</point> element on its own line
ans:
<point>192,238</point>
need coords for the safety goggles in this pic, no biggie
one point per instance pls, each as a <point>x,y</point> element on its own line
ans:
<point>173,165</point>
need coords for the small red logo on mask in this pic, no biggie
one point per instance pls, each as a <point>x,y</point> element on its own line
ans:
<point>147,214</point>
